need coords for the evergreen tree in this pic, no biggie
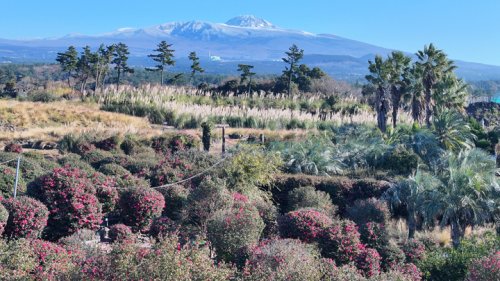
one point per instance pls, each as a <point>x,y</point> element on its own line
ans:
<point>68,61</point>
<point>164,57</point>
<point>120,58</point>
<point>84,68</point>
<point>100,64</point>
<point>246,74</point>
<point>294,55</point>
<point>195,65</point>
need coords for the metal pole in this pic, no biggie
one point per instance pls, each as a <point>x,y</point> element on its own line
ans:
<point>17,176</point>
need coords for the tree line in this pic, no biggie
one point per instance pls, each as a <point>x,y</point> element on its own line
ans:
<point>97,65</point>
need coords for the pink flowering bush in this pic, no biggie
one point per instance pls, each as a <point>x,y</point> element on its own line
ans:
<point>232,230</point>
<point>282,259</point>
<point>139,206</point>
<point>411,271</point>
<point>340,242</point>
<point>303,224</point>
<point>414,250</point>
<point>54,262</point>
<point>485,269</point>
<point>120,233</point>
<point>13,147</point>
<point>27,217</point>
<point>71,198</point>
<point>392,255</point>
<point>368,261</point>
<point>374,235</point>
<point>4,216</point>
<point>106,191</point>
<point>170,169</point>
<point>162,227</point>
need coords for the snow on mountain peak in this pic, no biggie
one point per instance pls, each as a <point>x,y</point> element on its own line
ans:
<point>250,21</point>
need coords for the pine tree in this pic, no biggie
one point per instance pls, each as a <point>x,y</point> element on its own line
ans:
<point>195,66</point>
<point>246,74</point>
<point>164,57</point>
<point>68,61</point>
<point>100,61</point>
<point>120,58</point>
<point>294,55</point>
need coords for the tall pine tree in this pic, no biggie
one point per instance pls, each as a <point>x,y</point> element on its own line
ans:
<point>195,65</point>
<point>120,58</point>
<point>68,61</point>
<point>294,55</point>
<point>164,57</point>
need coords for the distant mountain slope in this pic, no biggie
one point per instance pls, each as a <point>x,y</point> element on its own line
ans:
<point>240,39</point>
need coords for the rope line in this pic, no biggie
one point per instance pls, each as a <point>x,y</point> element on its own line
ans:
<point>192,177</point>
<point>8,161</point>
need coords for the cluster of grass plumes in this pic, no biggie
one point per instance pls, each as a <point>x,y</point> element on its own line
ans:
<point>187,108</point>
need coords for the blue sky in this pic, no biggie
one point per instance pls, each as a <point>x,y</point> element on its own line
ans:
<point>465,29</point>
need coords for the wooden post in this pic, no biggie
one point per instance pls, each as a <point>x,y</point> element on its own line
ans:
<point>223,126</point>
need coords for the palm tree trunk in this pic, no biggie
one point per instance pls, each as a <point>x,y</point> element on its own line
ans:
<point>412,225</point>
<point>396,97</point>
<point>428,107</point>
<point>457,233</point>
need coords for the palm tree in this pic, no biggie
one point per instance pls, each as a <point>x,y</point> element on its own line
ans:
<point>464,192</point>
<point>433,64</point>
<point>451,92</point>
<point>452,131</point>
<point>399,68</point>
<point>379,81</point>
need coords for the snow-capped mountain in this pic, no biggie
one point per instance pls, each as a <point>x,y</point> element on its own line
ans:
<point>243,38</point>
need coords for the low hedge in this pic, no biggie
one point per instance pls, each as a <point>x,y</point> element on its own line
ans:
<point>342,190</point>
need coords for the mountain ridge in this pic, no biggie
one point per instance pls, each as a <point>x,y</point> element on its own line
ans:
<point>244,38</point>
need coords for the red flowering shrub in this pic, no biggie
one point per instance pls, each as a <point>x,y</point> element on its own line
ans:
<point>374,235</point>
<point>106,191</point>
<point>368,261</point>
<point>414,250</point>
<point>13,147</point>
<point>27,217</point>
<point>4,216</point>
<point>7,180</point>
<point>340,242</point>
<point>54,261</point>
<point>162,227</point>
<point>71,198</point>
<point>232,230</point>
<point>170,169</point>
<point>283,259</point>
<point>347,272</point>
<point>485,269</point>
<point>304,224</point>
<point>412,272</point>
<point>140,206</point>
<point>120,233</point>
<point>392,255</point>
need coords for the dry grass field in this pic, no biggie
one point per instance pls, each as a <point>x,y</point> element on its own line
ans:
<point>50,121</point>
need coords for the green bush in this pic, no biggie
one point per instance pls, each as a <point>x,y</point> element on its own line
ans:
<point>7,180</point>
<point>97,157</point>
<point>4,216</point>
<point>368,210</point>
<point>43,97</point>
<point>452,264</point>
<point>113,169</point>
<point>281,260</point>
<point>75,161</point>
<point>342,190</point>
<point>309,197</point>
<point>400,161</point>
<point>17,260</point>
<point>231,231</point>
<point>176,198</point>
